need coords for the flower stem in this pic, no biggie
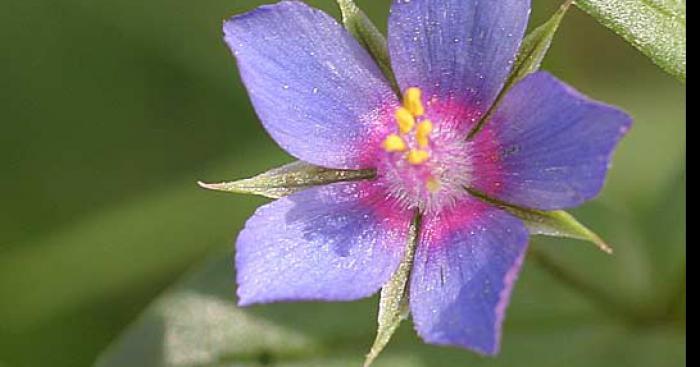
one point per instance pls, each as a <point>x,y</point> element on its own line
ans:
<point>600,297</point>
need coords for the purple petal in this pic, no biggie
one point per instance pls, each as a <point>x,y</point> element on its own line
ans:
<point>466,263</point>
<point>547,146</point>
<point>457,51</point>
<point>336,242</point>
<point>317,91</point>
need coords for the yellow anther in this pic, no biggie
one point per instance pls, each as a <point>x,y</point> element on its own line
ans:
<point>412,101</point>
<point>423,131</point>
<point>433,185</point>
<point>394,143</point>
<point>405,120</point>
<point>417,156</point>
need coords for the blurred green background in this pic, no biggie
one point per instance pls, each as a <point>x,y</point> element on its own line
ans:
<point>113,109</point>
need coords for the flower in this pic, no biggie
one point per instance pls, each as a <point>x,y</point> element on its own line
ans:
<point>323,99</point>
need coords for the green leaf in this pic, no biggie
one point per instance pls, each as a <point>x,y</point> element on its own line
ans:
<point>362,28</point>
<point>288,179</point>
<point>530,55</point>
<point>557,223</point>
<point>668,261</point>
<point>655,27</point>
<point>393,300</point>
<point>197,323</point>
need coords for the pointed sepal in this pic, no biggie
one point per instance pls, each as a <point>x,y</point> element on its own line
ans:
<point>530,55</point>
<point>556,223</point>
<point>288,179</point>
<point>368,35</point>
<point>393,300</point>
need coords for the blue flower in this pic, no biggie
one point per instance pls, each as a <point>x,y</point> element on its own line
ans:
<point>323,99</point>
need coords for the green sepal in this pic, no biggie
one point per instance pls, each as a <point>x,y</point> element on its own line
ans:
<point>361,27</point>
<point>288,179</point>
<point>535,46</point>
<point>530,55</point>
<point>556,223</point>
<point>393,299</point>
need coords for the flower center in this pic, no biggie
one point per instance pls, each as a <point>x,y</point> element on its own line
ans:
<point>417,149</point>
<point>426,165</point>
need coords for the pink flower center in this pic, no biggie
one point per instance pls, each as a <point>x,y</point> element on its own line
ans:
<point>424,164</point>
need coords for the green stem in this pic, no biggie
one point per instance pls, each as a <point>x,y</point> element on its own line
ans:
<point>601,298</point>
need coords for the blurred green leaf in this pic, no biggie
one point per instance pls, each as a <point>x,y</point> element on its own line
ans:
<point>362,28</point>
<point>393,299</point>
<point>116,250</point>
<point>288,179</point>
<point>655,27</point>
<point>668,274</point>
<point>530,55</point>
<point>197,323</point>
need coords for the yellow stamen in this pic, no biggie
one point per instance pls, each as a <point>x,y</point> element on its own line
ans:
<point>405,120</point>
<point>417,156</point>
<point>423,133</point>
<point>412,101</point>
<point>394,143</point>
<point>432,184</point>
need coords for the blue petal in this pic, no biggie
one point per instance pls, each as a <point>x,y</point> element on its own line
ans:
<point>554,145</point>
<point>336,242</point>
<point>457,51</point>
<point>467,261</point>
<point>317,91</point>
